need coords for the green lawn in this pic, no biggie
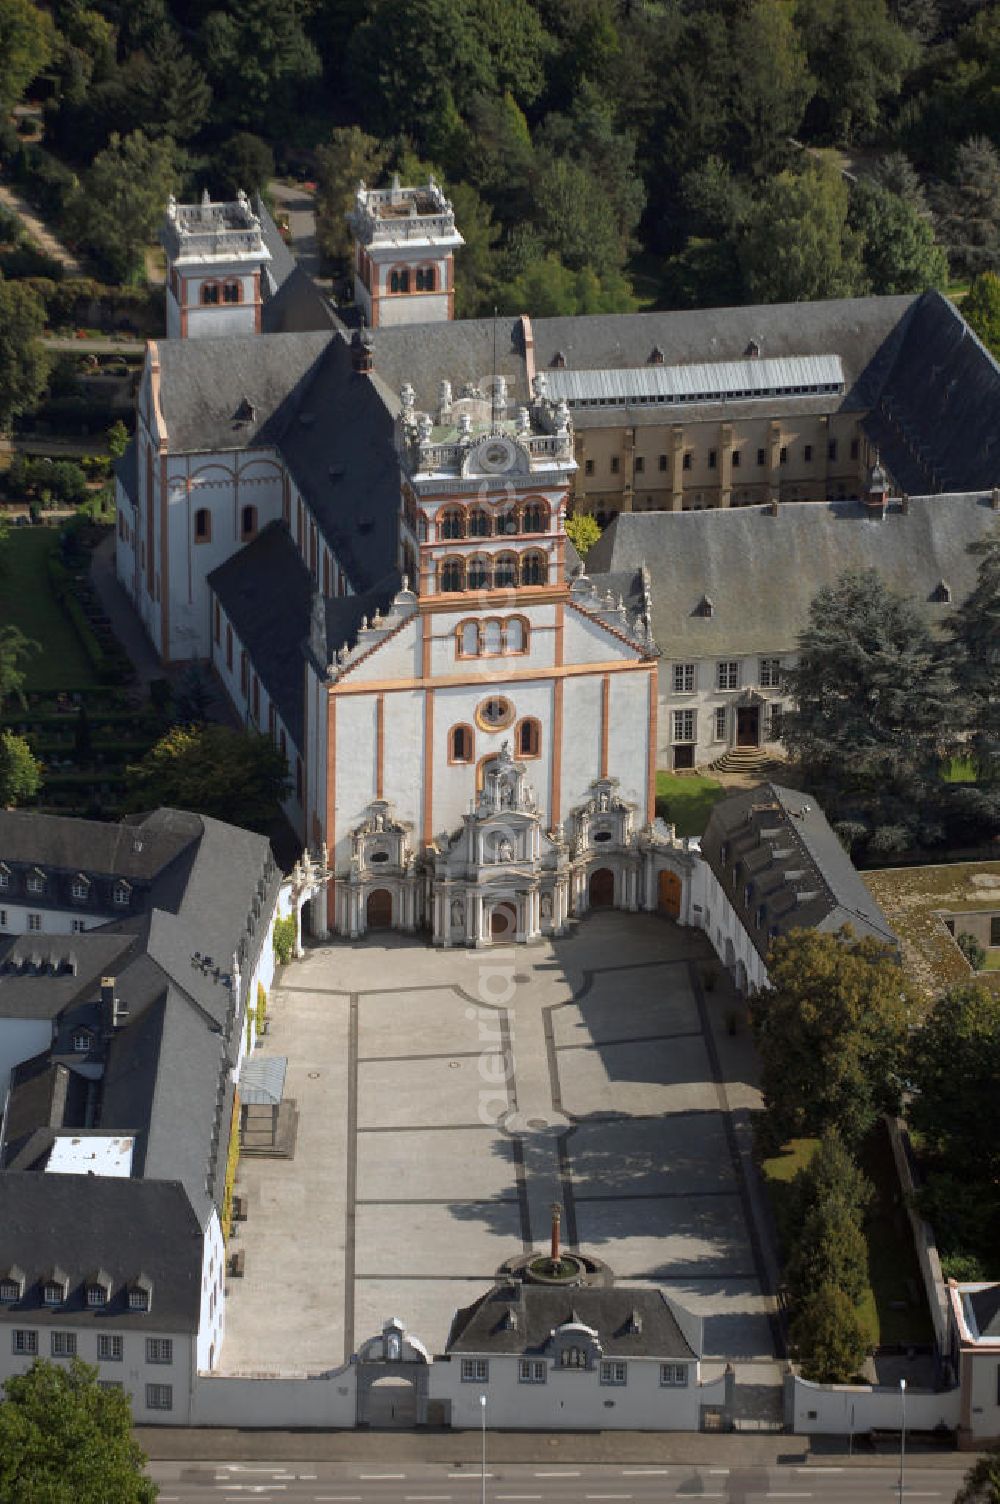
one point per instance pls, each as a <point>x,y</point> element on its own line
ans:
<point>686,802</point>
<point>27,600</point>
<point>888,1308</point>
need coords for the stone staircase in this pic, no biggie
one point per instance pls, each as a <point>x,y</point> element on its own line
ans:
<point>743,760</point>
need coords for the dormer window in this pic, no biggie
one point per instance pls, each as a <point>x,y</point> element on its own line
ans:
<point>656,356</point>
<point>232,292</point>
<point>4,876</point>
<point>10,1289</point>
<point>36,881</point>
<point>98,1289</point>
<point>573,1357</point>
<point>80,888</point>
<point>140,1293</point>
<point>82,1040</point>
<point>559,361</point>
<point>54,1288</point>
<point>122,895</point>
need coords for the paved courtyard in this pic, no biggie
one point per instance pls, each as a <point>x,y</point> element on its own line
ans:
<point>447,1099</point>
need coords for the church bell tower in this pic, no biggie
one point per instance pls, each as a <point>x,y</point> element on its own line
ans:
<point>215,256</point>
<point>404,254</point>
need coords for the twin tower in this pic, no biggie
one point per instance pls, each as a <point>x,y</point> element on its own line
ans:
<point>219,266</point>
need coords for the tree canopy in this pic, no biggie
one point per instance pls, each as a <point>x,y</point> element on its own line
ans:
<point>981,309</point>
<point>827,1334</point>
<point>65,1440</point>
<point>238,776</point>
<point>831,1031</point>
<point>24,365</point>
<point>20,773</point>
<point>981,1484</point>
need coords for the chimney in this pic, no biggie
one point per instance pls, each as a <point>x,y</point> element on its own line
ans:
<point>114,1013</point>
<point>556,1220</point>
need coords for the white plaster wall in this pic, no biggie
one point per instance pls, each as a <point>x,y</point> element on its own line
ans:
<point>589,641</point>
<point>721,923</point>
<point>14,919</point>
<point>581,762</point>
<point>825,1409</point>
<point>396,657</point>
<point>413,308</point>
<point>323,1403</point>
<point>628,738</point>
<point>20,1039</point>
<point>704,700</point>
<point>133,1372</point>
<point>455,786</point>
<point>981,1370</point>
<point>446,663</point>
<point>568,1400</point>
<point>356,767</point>
<point>211,1321</point>
<point>125,546</point>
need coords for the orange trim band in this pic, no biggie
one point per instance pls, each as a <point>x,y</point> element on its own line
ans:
<point>651,769</point>
<point>429,768</point>
<point>331,806</point>
<point>605,722</point>
<point>380,747</point>
<point>557,739</point>
<point>464,681</point>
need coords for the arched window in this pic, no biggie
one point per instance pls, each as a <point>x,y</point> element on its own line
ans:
<point>480,525</point>
<point>479,573</point>
<point>203,525</point>
<point>492,636</point>
<point>505,571</point>
<point>232,292</point>
<point>534,569</point>
<point>210,292</point>
<point>452,523</point>
<point>393,281</point>
<point>506,523</point>
<point>399,281</point>
<point>516,635</point>
<point>469,639</point>
<point>460,744</point>
<point>535,517</point>
<point>425,279</point>
<point>248,523</point>
<point>453,574</point>
<point>529,737</point>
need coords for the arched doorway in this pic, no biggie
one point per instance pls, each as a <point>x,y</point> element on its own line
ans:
<point>669,894</point>
<point>380,909</point>
<point>602,888</point>
<point>503,921</point>
<point>392,1401</point>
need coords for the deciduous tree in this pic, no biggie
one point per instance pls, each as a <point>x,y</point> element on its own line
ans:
<point>20,777</point>
<point>27,44</point>
<point>954,1069</point>
<point>259,57</point>
<point>239,776</point>
<point>66,1440</point>
<point>772,84</point>
<point>24,365</point>
<point>828,1337</point>
<point>899,251</point>
<point>349,157</point>
<point>121,200</point>
<point>798,243</point>
<point>832,1031</point>
<point>981,309</point>
<point>583,532</point>
<point>975,659</point>
<point>859,57</point>
<point>16,652</point>
<point>982,1481</point>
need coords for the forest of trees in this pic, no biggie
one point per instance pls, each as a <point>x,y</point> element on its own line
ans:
<point>601,154</point>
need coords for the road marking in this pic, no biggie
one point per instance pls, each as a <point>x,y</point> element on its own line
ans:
<point>427,1498</point>
<point>555,1475</point>
<point>380,1477</point>
<point>607,1496</point>
<point>721,1471</point>
<point>470,1474</point>
<point>519,1496</point>
<point>818,1469</point>
<point>644,1472</point>
<point>337,1498</point>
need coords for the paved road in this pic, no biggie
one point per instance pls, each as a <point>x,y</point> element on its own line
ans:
<point>298,204</point>
<point>397,1483</point>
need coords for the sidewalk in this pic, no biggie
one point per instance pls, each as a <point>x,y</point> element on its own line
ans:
<point>39,232</point>
<point>697,1449</point>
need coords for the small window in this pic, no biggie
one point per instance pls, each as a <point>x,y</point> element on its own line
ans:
<point>728,675</point>
<point>4,878</point>
<point>492,637</point>
<point>686,462</point>
<point>807,454</point>
<point>453,575</point>
<point>210,293</point>
<point>614,1373</point>
<point>3,921</point>
<point>64,1344</point>
<point>684,725</point>
<point>640,464</point>
<point>34,922</point>
<point>138,1298</point>
<point>720,723</point>
<point>159,1397</point>
<point>468,639</point>
<point>97,1295</point>
<point>80,889</point>
<point>36,883</point>
<point>713,459</point>
<point>244,672</point>
<point>53,1292</point>
<point>673,1375</point>
<point>460,744</point>
<point>232,292</point>
<point>159,1350</point>
<point>81,1041</point>
<point>573,1357</point>
<point>480,524</point>
<point>736,459</point>
<point>109,1349</point>
<point>122,893</point>
<point>683,678</point>
<point>615,464</point>
<point>531,1371</point>
<point>770,673</point>
<point>831,449</point>
<point>203,525</point>
<point>495,714</point>
<point>25,1343</point>
<point>475,1370</point>
<point>534,518</point>
<point>10,1290</point>
<point>662,462</point>
<point>248,523</point>
<point>783,454</point>
<point>534,569</point>
<point>515,635</point>
<point>855,448</point>
<point>762,456</point>
<point>451,523</point>
<point>588,467</point>
<point>529,738</point>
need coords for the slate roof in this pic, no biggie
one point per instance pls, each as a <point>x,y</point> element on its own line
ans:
<point>266,590</point>
<point>985,1305</point>
<point>936,420</point>
<point>800,877</point>
<point>204,381</point>
<point>458,351</point>
<point>43,975</point>
<point>137,850</point>
<point>86,1222</point>
<point>761,571</point>
<point>126,469</point>
<point>42,1094</point>
<point>482,1328</point>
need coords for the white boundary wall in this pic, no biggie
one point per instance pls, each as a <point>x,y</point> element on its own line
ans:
<point>840,1409</point>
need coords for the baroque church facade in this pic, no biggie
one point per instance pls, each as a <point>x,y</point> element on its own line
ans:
<point>362,529</point>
